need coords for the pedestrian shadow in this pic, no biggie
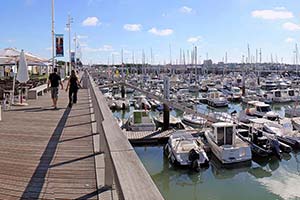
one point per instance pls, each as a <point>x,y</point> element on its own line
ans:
<point>33,188</point>
<point>81,115</point>
<point>75,160</point>
<point>80,124</point>
<point>43,109</point>
<point>95,193</point>
<point>78,138</point>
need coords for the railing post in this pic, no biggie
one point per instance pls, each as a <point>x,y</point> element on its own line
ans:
<point>108,168</point>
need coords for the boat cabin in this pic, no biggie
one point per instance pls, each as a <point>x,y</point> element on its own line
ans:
<point>258,106</point>
<point>223,133</point>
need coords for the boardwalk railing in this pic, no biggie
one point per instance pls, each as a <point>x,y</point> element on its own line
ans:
<point>122,165</point>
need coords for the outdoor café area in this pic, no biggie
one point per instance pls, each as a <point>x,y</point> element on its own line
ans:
<point>16,87</point>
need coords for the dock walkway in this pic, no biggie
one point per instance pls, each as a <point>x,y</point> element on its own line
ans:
<point>49,154</point>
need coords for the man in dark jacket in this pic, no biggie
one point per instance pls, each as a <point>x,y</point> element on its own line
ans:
<point>54,80</point>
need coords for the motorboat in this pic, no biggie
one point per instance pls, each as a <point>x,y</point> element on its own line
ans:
<point>258,126</point>
<point>250,96</point>
<point>236,94</point>
<point>225,145</point>
<point>215,98</point>
<point>279,96</point>
<point>185,150</point>
<point>284,133</point>
<point>269,84</point>
<point>174,122</point>
<point>260,145</point>
<point>261,109</point>
<point>194,87</point>
<point>140,120</point>
<point>193,120</point>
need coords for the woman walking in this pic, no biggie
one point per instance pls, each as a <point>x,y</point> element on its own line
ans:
<point>73,86</point>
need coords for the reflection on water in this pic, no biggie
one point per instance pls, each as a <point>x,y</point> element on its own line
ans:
<point>262,179</point>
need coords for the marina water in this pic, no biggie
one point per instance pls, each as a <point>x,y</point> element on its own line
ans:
<point>266,179</point>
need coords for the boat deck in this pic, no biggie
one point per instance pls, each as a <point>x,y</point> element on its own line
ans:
<point>50,154</point>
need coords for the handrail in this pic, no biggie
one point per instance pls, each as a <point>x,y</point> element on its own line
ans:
<point>122,165</point>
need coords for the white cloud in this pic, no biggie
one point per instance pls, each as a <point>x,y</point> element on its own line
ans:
<point>162,32</point>
<point>104,48</point>
<point>272,14</point>
<point>289,40</point>
<point>185,9</point>
<point>194,39</point>
<point>291,26</point>
<point>91,21</point>
<point>132,27</point>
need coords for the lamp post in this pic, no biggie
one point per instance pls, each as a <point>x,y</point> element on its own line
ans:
<point>53,39</point>
<point>70,21</point>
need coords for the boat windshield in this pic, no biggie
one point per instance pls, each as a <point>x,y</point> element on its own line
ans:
<point>220,135</point>
<point>264,109</point>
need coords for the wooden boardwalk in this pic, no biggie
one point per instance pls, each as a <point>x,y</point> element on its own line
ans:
<point>49,154</point>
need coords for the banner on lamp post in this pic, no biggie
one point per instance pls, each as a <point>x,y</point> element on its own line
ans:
<point>59,45</point>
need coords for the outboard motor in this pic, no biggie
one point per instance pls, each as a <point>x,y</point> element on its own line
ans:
<point>275,146</point>
<point>194,157</point>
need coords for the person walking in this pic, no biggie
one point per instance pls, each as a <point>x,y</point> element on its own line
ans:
<point>54,80</point>
<point>73,86</point>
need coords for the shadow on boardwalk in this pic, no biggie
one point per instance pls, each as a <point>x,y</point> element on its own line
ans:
<point>34,188</point>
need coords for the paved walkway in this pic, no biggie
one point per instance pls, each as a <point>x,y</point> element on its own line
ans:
<point>49,154</point>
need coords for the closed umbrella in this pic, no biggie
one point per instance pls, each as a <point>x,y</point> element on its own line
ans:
<point>22,75</point>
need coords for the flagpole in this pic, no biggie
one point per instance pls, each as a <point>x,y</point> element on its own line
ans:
<point>53,41</point>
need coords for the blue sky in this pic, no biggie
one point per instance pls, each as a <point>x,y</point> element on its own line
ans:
<point>104,27</point>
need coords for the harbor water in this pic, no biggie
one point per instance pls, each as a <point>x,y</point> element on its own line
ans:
<point>266,179</point>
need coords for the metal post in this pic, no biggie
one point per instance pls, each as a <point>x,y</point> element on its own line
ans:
<point>70,20</point>
<point>75,50</point>
<point>53,42</point>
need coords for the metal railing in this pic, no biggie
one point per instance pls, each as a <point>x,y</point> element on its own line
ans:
<point>122,165</point>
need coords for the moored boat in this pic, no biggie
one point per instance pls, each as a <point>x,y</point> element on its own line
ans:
<point>225,145</point>
<point>185,150</point>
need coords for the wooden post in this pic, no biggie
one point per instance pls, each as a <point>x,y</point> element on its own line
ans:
<point>108,168</point>
<point>166,117</point>
<point>123,91</point>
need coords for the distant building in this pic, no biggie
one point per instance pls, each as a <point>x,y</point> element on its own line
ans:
<point>207,63</point>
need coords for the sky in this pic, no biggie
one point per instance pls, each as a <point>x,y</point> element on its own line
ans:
<point>105,27</point>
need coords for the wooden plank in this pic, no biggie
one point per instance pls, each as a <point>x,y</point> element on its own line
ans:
<point>47,154</point>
